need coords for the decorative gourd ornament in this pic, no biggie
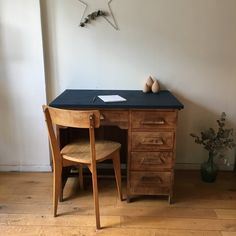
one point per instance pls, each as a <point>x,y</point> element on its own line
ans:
<point>146,88</point>
<point>149,81</point>
<point>155,86</point>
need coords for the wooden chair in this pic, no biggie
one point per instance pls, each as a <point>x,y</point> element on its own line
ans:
<point>80,152</point>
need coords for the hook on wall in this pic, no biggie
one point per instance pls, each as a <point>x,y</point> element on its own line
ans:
<point>92,16</point>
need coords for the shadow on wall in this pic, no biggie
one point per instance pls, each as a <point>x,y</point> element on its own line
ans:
<point>49,45</point>
<point>4,99</point>
<point>193,119</point>
<point>5,137</point>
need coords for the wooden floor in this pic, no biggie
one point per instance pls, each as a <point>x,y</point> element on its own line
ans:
<point>199,208</point>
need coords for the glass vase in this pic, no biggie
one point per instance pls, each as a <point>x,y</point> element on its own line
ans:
<point>209,169</point>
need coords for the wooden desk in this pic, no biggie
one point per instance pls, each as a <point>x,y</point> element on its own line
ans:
<point>150,120</point>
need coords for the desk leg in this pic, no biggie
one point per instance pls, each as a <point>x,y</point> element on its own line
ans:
<point>170,199</point>
<point>128,199</point>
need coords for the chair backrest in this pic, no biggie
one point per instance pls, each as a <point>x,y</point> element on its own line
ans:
<point>70,118</point>
<point>73,118</point>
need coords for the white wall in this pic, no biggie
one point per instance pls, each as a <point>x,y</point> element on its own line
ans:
<point>189,45</point>
<point>23,139</point>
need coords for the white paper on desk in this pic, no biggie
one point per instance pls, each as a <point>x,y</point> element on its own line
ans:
<point>112,98</point>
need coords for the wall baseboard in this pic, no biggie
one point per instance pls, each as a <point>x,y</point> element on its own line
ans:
<point>196,166</point>
<point>48,168</point>
<point>9,168</point>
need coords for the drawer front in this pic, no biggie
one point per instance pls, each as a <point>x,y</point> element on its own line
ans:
<point>153,119</point>
<point>150,183</point>
<point>152,141</point>
<point>151,161</point>
<point>118,118</point>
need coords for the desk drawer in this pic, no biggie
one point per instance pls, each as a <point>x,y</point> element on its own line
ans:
<point>152,141</point>
<point>118,118</point>
<point>153,119</point>
<point>151,161</point>
<point>150,183</point>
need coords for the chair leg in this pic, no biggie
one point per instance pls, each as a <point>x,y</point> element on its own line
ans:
<point>116,164</point>
<point>65,172</point>
<point>95,197</point>
<point>61,195</point>
<point>81,181</point>
<point>56,188</point>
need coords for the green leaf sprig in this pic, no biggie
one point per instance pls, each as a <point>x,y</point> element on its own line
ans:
<point>92,16</point>
<point>216,141</point>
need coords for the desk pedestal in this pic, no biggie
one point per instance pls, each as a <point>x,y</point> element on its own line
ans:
<point>148,139</point>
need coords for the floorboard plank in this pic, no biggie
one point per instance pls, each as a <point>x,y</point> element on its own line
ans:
<point>90,231</point>
<point>200,209</point>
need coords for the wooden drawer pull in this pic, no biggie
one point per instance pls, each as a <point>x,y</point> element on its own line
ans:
<point>156,122</point>
<point>152,161</point>
<point>153,141</point>
<point>152,179</point>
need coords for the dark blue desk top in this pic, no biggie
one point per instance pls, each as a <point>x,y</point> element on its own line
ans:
<point>74,98</point>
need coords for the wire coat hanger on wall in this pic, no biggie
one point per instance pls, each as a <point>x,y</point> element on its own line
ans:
<point>92,16</point>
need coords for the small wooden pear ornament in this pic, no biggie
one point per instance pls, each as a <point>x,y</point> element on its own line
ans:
<point>155,86</point>
<point>146,88</point>
<point>149,81</point>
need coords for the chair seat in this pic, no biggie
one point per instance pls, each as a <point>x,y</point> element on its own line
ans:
<point>79,151</point>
